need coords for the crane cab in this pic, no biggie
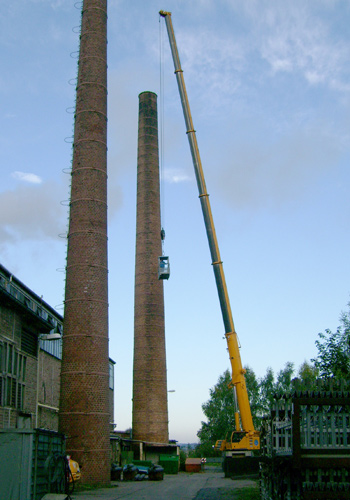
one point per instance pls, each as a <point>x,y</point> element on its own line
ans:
<point>163,268</point>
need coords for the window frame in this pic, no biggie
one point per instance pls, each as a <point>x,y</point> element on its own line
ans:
<point>12,374</point>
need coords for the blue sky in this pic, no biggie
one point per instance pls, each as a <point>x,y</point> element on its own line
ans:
<point>269,89</point>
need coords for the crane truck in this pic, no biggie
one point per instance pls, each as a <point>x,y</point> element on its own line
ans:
<point>243,437</point>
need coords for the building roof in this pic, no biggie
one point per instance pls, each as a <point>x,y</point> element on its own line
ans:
<point>193,461</point>
<point>19,296</point>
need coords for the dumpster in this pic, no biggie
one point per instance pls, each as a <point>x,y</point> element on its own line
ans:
<point>169,463</point>
<point>142,463</point>
<point>193,465</point>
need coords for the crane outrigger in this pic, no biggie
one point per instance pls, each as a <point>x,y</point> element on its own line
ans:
<point>244,436</point>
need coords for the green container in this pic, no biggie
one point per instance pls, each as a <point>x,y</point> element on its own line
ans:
<point>142,463</point>
<point>169,463</point>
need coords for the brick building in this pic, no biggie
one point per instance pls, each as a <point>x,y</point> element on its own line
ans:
<point>30,367</point>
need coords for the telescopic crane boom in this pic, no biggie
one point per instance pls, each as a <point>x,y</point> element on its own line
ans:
<point>244,437</point>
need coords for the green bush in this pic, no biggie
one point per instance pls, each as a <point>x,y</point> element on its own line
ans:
<point>204,450</point>
<point>183,457</point>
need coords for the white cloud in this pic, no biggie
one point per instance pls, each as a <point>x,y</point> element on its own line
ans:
<point>298,37</point>
<point>213,61</point>
<point>54,4</point>
<point>313,77</point>
<point>27,177</point>
<point>32,213</point>
<point>174,176</point>
<point>272,175</point>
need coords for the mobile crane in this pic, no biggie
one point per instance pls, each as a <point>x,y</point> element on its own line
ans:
<point>244,436</point>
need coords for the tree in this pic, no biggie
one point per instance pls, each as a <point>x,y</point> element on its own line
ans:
<point>284,379</point>
<point>219,410</point>
<point>333,358</point>
<point>253,388</point>
<point>307,377</point>
<point>269,386</point>
<point>204,450</point>
<point>183,457</point>
<point>266,391</point>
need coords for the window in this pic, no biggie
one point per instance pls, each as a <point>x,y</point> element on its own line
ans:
<point>29,342</point>
<point>12,376</point>
<point>111,375</point>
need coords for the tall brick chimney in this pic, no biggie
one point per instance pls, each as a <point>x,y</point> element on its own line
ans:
<point>84,411</point>
<point>150,405</point>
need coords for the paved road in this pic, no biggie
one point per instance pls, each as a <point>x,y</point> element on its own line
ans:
<point>208,485</point>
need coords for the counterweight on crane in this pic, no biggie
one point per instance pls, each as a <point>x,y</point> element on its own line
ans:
<point>244,437</point>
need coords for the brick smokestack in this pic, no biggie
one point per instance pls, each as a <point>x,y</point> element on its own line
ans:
<point>150,406</point>
<point>84,411</point>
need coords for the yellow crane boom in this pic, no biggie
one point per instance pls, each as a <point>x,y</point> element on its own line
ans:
<point>244,436</point>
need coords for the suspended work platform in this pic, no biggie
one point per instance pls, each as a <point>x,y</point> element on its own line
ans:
<point>163,268</point>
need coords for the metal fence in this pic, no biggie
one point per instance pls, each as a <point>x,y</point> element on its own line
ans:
<point>23,457</point>
<point>306,445</point>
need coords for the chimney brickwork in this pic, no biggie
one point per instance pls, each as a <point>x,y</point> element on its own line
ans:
<point>150,406</point>
<point>84,400</point>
